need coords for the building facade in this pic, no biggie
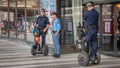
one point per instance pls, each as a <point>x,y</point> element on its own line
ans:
<point>71,15</point>
<point>109,11</point>
<point>70,12</point>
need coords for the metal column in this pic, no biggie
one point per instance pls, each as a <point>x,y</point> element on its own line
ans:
<point>25,19</point>
<point>1,18</point>
<point>100,29</point>
<point>39,6</point>
<point>115,31</point>
<point>34,14</point>
<point>1,10</point>
<point>16,16</point>
<point>8,21</point>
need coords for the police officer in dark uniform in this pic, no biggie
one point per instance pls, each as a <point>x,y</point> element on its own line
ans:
<point>91,22</point>
<point>43,25</point>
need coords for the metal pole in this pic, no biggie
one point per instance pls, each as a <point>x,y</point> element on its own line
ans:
<point>16,17</point>
<point>25,19</point>
<point>39,6</point>
<point>34,14</point>
<point>115,31</point>
<point>8,22</point>
<point>0,10</point>
<point>1,18</point>
<point>100,29</point>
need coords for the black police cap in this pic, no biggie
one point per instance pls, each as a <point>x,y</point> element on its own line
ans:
<point>42,10</point>
<point>90,4</point>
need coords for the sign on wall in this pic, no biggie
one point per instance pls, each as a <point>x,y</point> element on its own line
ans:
<point>107,27</point>
<point>101,1</point>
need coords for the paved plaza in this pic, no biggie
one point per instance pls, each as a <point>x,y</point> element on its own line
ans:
<point>14,55</point>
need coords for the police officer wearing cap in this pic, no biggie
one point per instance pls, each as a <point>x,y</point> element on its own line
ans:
<point>43,25</point>
<point>91,22</point>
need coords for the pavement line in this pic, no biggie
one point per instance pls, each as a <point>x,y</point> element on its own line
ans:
<point>38,61</point>
<point>5,50</point>
<point>38,57</point>
<point>100,66</point>
<point>28,53</point>
<point>47,61</point>
<point>15,50</point>
<point>14,43</point>
<point>10,47</point>
<point>26,59</point>
<point>68,63</point>
<point>50,64</point>
<point>3,43</point>
<point>13,55</point>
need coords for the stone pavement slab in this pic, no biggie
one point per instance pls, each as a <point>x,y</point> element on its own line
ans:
<point>14,55</point>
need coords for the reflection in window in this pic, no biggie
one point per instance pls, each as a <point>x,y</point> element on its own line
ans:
<point>106,11</point>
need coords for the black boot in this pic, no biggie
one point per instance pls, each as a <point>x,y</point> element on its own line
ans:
<point>54,55</point>
<point>57,56</point>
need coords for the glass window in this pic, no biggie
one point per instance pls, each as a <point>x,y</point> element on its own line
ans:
<point>97,7</point>
<point>71,15</point>
<point>106,11</point>
<point>67,22</point>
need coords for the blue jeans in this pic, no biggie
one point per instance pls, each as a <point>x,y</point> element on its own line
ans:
<point>56,43</point>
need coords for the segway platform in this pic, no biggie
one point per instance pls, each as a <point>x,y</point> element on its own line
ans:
<point>84,58</point>
<point>36,48</point>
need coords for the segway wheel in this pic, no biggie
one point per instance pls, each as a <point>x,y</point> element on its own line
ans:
<point>98,58</point>
<point>33,49</point>
<point>83,58</point>
<point>45,50</point>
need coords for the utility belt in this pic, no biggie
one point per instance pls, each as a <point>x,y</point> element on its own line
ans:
<point>41,27</point>
<point>92,27</point>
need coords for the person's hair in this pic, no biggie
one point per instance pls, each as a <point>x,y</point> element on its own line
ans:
<point>54,13</point>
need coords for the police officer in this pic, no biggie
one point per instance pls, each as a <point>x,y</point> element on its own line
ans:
<point>91,22</point>
<point>43,25</point>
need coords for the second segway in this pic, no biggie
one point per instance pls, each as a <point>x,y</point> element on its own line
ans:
<point>85,58</point>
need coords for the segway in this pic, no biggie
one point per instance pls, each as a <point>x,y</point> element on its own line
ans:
<point>36,48</point>
<point>84,58</point>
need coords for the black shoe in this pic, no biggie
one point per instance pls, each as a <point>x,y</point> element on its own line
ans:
<point>54,55</point>
<point>57,56</point>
